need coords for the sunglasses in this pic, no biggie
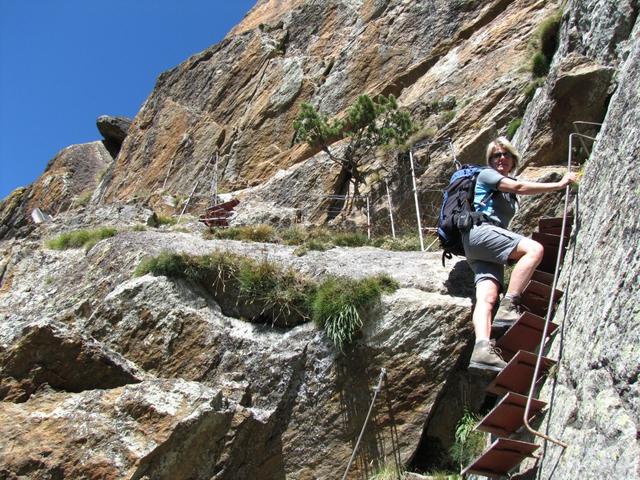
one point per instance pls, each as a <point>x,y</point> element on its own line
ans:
<point>497,155</point>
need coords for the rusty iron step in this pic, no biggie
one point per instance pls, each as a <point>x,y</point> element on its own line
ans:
<point>549,240</point>
<point>548,262</point>
<point>525,334</point>
<point>543,277</point>
<point>516,376</point>
<point>553,225</point>
<point>535,297</point>
<point>507,416</point>
<point>218,215</point>
<point>500,458</point>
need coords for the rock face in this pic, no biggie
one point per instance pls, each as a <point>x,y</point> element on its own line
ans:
<point>596,407</point>
<point>280,392</point>
<point>240,97</point>
<point>113,128</point>
<point>110,376</point>
<point>69,180</point>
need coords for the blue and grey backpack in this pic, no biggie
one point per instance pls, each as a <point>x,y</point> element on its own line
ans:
<point>457,213</point>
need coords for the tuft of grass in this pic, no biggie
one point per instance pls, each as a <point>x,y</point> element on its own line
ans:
<point>468,442</point>
<point>350,239</point>
<point>546,44</point>
<point>80,238</point>
<point>252,233</point>
<point>166,220</point>
<point>295,235</point>
<point>548,34</point>
<point>539,65</point>
<point>270,294</point>
<point>82,199</point>
<point>513,127</point>
<point>281,294</point>
<point>339,303</point>
<point>402,243</point>
<point>139,227</point>
<point>388,471</point>
<point>167,264</point>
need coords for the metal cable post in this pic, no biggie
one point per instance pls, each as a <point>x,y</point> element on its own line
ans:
<point>383,373</point>
<point>415,197</point>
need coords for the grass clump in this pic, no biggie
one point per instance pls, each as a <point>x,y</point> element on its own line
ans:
<point>80,238</point>
<point>265,293</point>
<point>167,264</point>
<point>468,443</point>
<point>252,233</point>
<point>83,199</point>
<point>339,302</point>
<point>546,44</point>
<point>281,294</point>
<point>513,127</point>
<point>539,65</point>
<point>388,471</point>
<point>165,220</point>
<point>402,243</point>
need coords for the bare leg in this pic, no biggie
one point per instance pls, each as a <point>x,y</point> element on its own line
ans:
<point>528,254</point>
<point>486,297</point>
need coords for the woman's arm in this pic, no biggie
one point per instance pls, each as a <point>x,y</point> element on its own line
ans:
<point>523,187</point>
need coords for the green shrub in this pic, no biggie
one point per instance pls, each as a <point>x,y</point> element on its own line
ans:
<point>547,43</point>
<point>468,443</point>
<point>339,302</point>
<point>80,238</point>
<point>513,127</point>
<point>539,65</point>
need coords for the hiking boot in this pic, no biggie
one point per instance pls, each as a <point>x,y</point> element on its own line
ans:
<point>507,314</point>
<point>486,355</point>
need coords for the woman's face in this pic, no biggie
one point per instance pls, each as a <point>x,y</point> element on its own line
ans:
<point>502,160</point>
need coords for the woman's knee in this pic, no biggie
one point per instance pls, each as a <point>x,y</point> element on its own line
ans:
<point>487,293</point>
<point>536,250</point>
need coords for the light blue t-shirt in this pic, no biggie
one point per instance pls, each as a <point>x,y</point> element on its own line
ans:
<point>501,206</point>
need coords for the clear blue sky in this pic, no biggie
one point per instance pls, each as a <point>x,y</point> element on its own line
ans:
<point>63,63</point>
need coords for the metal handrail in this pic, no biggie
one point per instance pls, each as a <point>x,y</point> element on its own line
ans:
<point>550,306</point>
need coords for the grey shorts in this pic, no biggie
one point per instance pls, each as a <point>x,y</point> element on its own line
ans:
<point>487,249</point>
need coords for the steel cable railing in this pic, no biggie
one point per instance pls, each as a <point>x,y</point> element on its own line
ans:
<point>551,301</point>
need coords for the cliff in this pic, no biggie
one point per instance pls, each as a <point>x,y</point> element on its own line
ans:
<point>115,376</point>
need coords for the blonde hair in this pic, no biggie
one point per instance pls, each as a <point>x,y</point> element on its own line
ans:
<point>506,144</point>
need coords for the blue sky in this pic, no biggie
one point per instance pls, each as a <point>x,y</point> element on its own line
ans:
<point>63,63</point>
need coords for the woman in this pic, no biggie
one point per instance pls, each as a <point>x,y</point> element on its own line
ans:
<point>489,246</point>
